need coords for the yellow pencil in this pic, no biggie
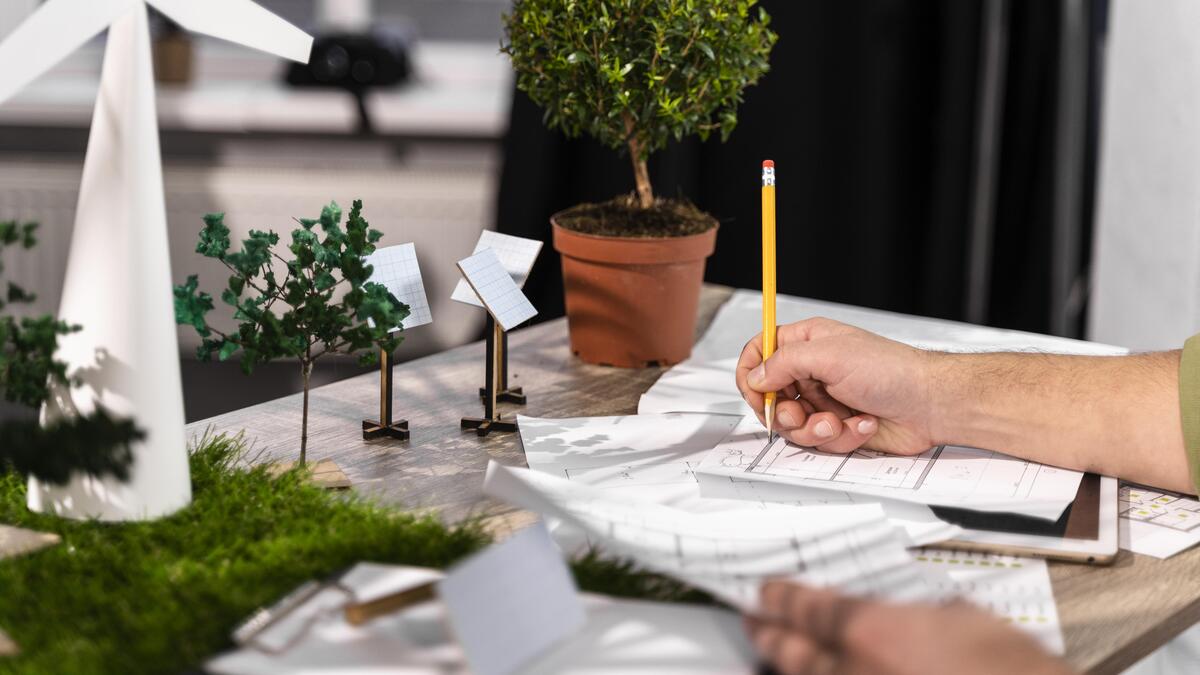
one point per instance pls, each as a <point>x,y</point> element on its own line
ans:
<point>768,283</point>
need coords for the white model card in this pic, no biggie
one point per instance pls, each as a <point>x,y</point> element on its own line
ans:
<point>396,268</point>
<point>500,294</point>
<point>982,480</point>
<point>516,254</point>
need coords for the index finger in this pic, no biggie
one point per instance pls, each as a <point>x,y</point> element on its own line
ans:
<point>750,358</point>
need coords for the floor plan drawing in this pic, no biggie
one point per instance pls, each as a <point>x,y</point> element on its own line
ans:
<point>1163,509</point>
<point>944,475</point>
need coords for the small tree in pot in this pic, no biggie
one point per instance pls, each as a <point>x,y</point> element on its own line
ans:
<point>636,74</point>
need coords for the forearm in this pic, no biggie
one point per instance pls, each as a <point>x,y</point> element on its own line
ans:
<point>1117,416</point>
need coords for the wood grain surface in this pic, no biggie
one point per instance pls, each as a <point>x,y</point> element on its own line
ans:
<point>1112,616</point>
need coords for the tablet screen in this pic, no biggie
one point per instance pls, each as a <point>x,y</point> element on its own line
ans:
<point>1081,520</point>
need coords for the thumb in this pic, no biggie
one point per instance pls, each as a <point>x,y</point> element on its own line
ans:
<point>792,363</point>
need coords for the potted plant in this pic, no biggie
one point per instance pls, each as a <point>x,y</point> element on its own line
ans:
<point>636,74</point>
<point>299,316</point>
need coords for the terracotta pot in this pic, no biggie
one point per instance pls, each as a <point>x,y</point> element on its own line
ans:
<point>632,301</point>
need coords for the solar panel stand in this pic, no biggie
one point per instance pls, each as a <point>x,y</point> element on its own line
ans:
<point>504,394</point>
<point>491,420</point>
<point>385,426</point>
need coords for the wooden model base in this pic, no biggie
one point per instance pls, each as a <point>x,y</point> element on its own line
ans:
<point>484,426</point>
<point>385,427</point>
<point>324,474</point>
<point>396,430</point>
<point>514,395</point>
<point>494,390</point>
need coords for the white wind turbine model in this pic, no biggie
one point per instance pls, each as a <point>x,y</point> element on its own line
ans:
<point>118,280</point>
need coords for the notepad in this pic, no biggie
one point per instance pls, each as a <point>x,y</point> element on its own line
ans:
<point>397,269</point>
<point>516,255</point>
<point>499,293</point>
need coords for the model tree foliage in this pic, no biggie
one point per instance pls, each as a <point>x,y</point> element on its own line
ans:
<point>95,444</point>
<point>324,304</point>
<point>636,73</point>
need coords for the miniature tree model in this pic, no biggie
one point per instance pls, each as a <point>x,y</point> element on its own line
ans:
<point>297,317</point>
<point>95,444</point>
<point>636,74</point>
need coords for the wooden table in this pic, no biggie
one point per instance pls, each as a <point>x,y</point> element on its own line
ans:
<point>1112,616</point>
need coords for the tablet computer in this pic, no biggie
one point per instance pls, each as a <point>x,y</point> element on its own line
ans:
<point>1086,531</point>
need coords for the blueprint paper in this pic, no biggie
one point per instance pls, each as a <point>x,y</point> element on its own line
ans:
<point>512,602</point>
<point>981,480</point>
<point>1016,589</point>
<point>705,381</point>
<point>626,636</point>
<point>516,255</point>
<point>654,457</point>
<point>1156,522</point>
<point>397,269</point>
<point>852,548</point>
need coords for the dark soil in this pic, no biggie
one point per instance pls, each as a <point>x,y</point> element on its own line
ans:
<point>622,217</point>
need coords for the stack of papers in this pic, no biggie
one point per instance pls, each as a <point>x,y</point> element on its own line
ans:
<point>730,555</point>
<point>654,458</point>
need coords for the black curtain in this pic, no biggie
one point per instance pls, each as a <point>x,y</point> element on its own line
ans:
<point>870,112</point>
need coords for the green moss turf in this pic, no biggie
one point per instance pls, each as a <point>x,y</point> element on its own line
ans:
<point>162,596</point>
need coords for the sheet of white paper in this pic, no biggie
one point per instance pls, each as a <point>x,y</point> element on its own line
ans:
<point>1018,590</point>
<point>512,602</point>
<point>704,382</point>
<point>981,480</point>
<point>516,255</point>
<point>728,554</point>
<point>629,637</point>
<point>1155,522</point>
<point>499,293</point>
<point>653,457</point>
<point>396,267</point>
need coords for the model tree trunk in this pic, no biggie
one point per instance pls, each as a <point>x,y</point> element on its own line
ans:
<point>306,372</point>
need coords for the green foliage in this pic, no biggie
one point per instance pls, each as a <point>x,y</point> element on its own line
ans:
<point>162,596</point>
<point>309,323</point>
<point>636,73</point>
<point>96,444</point>
<point>296,317</point>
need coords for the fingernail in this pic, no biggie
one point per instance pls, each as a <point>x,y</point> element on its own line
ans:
<point>866,426</point>
<point>824,429</point>
<point>758,374</point>
<point>786,419</point>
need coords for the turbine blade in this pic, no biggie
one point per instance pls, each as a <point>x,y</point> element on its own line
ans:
<point>53,31</point>
<point>240,21</point>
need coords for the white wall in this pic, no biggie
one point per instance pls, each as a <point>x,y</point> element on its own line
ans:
<point>1146,275</point>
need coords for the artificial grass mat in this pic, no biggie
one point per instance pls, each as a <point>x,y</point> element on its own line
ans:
<point>163,596</point>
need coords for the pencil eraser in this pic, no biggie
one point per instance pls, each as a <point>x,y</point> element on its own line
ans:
<point>768,164</point>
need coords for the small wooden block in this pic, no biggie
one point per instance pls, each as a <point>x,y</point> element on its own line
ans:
<point>324,474</point>
<point>15,541</point>
<point>7,646</point>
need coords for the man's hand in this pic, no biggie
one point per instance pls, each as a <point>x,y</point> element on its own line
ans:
<point>841,388</point>
<point>820,632</point>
